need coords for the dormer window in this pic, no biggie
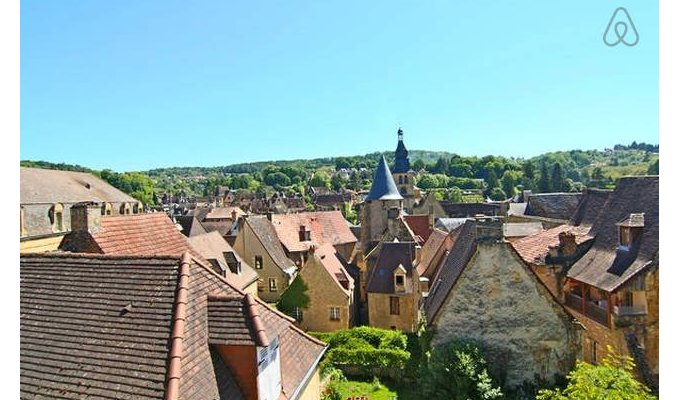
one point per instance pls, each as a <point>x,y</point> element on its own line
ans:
<point>56,215</point>
<point>125,209</point>
<point>107,209</point>
<point>400,279</point>
<point>305,235</point>
<point>630,229</point>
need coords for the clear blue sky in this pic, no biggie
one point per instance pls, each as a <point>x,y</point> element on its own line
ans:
<point>134,85</point>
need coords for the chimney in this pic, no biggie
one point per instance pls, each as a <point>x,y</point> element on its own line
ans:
<point>567,243</point>
<point>86,217</point>
<point>233,215</point>
<point>489,229</point>
<point>269,216</point>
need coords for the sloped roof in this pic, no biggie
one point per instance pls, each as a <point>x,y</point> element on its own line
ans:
<point>590,206</point>
<point>213,246</point>
<point>223,213</point>
<point>390,256</point>
<point>534,248</point>
<point>139,234</point>
<point>265,232</point>
<point>109,326</point>
<point>190,225</point>
<point>520,229</point>
<point>326,255</point>
<point>606,265</point>
<point>553,205</point>
<point>430,252</point>
<point>464,210</point>
<point>324,226</point>
<point>39,185</point>
<point>449,224</point>
<point>383,186</point>
<point>420,225</point>
<point>517,208</point>
<point>461,252</point>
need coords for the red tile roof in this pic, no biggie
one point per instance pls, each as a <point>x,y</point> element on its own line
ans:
<point>142,234</point>
<point>327,257</point>
<point>325,227</point>
<point>213,246</point>
<point>420,225</point>
<point>432,252</point>
<point>533,249</point>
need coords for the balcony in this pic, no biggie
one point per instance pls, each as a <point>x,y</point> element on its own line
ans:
<point>592,310</point>
<point>626,311</point>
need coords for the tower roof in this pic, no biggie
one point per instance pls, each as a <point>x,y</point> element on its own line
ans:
<point>401,161</point>
<point>383,187</point>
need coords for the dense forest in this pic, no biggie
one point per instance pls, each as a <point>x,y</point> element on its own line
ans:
<point>449,175</point>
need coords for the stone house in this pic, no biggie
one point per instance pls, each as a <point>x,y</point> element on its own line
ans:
<point>225,261</point>
<point>46,200</point>
<point>259,246</point>
<point>393,287</point>
<point>614,287</point>
<point>154,327</point>
<point>298,232</point>
<point>331,292</point>
<point>485,292</point>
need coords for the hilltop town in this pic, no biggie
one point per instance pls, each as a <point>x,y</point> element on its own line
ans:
<point>272,281</point>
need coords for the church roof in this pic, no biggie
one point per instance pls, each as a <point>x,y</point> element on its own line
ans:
<point>383,187</point>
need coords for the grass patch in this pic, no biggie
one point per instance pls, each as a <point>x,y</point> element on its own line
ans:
<point>375,390</point>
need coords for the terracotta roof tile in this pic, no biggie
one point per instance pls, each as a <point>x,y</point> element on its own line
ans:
<point>431,252</point>
<point>533,249</point>
<point>328,258</point>
<point>420,225</point>
<point>324,226</point>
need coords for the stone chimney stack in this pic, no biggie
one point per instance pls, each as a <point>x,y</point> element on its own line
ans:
<point>233,215</point>
<point>86,217</point>
<point>567,243</point>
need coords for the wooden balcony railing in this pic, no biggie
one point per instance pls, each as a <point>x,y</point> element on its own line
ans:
<point>597,313</point>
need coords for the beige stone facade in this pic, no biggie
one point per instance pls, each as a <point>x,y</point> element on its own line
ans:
<point>498,301</point>
<point>382,312</point>
<point>325,295</point>
<point>273,280</point>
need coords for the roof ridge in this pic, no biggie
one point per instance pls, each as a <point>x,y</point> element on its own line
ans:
<point>258,324</point>
<point>178,328</point>
<point>100,256</point>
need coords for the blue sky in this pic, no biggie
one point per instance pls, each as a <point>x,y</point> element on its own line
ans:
<point>137,85</point>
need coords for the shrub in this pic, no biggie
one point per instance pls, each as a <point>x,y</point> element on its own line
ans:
<point>457,370</point>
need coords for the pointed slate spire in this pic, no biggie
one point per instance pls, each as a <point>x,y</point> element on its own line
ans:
<point>383,187</point>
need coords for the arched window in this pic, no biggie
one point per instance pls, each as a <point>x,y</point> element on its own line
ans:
<point>56,215</point>
<point>401,179</point>
<point>125,209</point>
<point>107,209</point>
<point>137,208</point>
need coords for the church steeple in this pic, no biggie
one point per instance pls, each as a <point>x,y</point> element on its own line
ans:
<point>401,161</point>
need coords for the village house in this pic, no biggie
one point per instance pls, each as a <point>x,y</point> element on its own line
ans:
<point>154,327</point>
<point>614,287</point>
<point>258,244</point>
<point>330,289</point>
<point>225,261</point>
<point>333,201</point>
<point>485,292</point>
<point>46,200</point>
<point>298,232</point>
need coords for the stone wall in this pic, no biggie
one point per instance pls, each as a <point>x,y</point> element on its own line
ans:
<point>379,312</point>
<point>323,293</point>
<point>500,303</point>
<point>247,245</point>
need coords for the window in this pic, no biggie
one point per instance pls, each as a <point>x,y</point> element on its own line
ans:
<point>394,305</point>
<point>399,280</point>
<point>334,313</point>
<point>272,285</point>
<point>56,215</point>
<point>107,209</point>
<point>297,314</point>
<point>625,236</point>
<point>593,352</point>
<point>124,209</point>
<point>258,262</point>
<point>401,180</point>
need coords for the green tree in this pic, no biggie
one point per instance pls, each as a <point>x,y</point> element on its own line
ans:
<point>277,179</point>
<point>613,379</point>
<point>544,180</point>
<point>342,162</point>
<point>456,371</point>
<point>320,179</point>
<point>492,179</point>
<point>418,164</point>
<point>337,182</point>
<point>557,178</point>
<point>454,195</point>
<point>294,298</point>
<point>654,168</point>
<point>509,180</point>
<point>497,194</point>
